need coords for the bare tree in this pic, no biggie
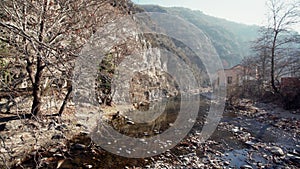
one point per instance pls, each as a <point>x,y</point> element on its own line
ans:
<point>47,35</point>
<point>278,33</point>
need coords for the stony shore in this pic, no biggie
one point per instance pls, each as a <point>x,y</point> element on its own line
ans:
<point>250,135</point>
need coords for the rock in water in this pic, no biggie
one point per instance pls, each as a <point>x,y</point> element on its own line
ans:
<point>277,151</point>
<point>246,167</point>
<point>79,147</point>
<point>130,122</point>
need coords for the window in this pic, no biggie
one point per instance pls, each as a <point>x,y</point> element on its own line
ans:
<point>229,80</point>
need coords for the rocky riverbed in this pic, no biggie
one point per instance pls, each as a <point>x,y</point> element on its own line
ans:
<point>250,135</point>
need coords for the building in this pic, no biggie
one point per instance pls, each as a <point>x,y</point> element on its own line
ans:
<point>235,76</point>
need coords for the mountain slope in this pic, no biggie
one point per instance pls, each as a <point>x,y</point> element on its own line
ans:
<point>231,40</point>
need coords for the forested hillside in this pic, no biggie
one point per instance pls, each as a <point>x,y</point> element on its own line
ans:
<point>231,40</point>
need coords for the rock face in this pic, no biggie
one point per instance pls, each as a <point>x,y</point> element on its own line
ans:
<point>148,65</point>
<point>150,86</point>
<point>156,68</point>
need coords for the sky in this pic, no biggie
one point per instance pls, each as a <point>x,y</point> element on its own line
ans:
<point>250,12</point>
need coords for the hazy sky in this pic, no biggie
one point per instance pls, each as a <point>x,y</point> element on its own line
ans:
<point>242,11</point>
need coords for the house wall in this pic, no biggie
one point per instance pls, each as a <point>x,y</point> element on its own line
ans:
<point>232,77</point>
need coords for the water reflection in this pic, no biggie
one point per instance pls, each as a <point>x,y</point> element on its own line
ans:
<point>140,124</point>
<point>126,137</point>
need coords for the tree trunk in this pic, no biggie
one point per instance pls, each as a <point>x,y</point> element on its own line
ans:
<point>36,104</point>
<point>37,92</point>
<point>62,108</point>
<point>272,74</point>
<point>275,89</point>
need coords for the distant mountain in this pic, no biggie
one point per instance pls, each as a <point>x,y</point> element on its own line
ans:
<point>231,40</point>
